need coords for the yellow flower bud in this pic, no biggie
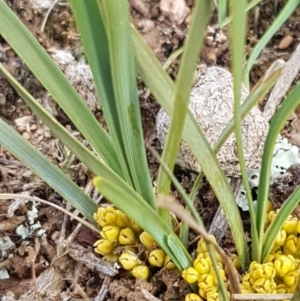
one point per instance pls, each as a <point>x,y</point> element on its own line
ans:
<point>245,290</point>
<point>201,265</point>
<point>290,225</point>
<point>265,271</point>
<point>104,246</point>
<point>271,216</point>
<point>246,282</point>
<point>291,278</point>
<point>236,261</point>
<point>110,232</point>
<point>203,292</point>
<point>281,289</point>
<point>284,264</point>
<point>168,264</point>
<point>254,266</point>
<point>98,217</point>
<point>280,238</point>
<point>109,215</point>
<point>129,260</point>
<point>122,220</point>
<point>264,286</point>
<point>206,281</point>
<point>140,272</point>
<point>215,296</point>
<point>214,274</point>
<point>291,245</point>
<point>298,227</point>
<point>147,240</point>
<point>272,257</point>
<point>291,290</point>
<point>190,275</point>
<point>157,258</point>
<point>269,206</point>
<point>202,247</point>
<point>126,237</point>
<point>111,258</point>
<point>136,226</point>
<point>192,297</point>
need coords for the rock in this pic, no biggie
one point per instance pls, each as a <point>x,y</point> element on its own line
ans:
<point>211,103</point>
<point>175,10</point>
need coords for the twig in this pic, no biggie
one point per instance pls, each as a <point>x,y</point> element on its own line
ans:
<point>63,231</point>
<point>5,196</point>
<point>36,250</point>
<point>47,15</point>
<point>103,290</point>
<point>262,297</point>
<point>283,84</point>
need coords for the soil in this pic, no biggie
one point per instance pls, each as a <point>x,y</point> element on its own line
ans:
<point>61,265</point>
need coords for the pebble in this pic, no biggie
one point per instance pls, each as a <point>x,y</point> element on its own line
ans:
<point>285,42</point>
<point>47,135</point>
<point>146,25</point>
<point>33,127</point>
<point>21,129</point>
<point>154,12</point>
<point>26,136</point>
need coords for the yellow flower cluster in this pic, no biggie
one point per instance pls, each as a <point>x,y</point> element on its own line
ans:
<point>120,231</point>
<point>279,273</point>
<point>204,274</point>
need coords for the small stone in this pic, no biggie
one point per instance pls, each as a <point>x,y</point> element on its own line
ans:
<point>154,12</point>
<point>146,25</point>
<point>47,135</point>
<point>26,136</point>
<point>26,113</point>
<point>285,42</point>
<point>21,129</point>
<point>33,127</point>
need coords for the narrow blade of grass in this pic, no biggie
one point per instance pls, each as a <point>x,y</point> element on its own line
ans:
<point>42,66</point>
<point>192,47</point>
<point>222,10</point>
<point>249,6</point>
<point>113,66</point>
<point>163,89</point>
<point>47,171</point>
<point>237,43</point>
<point>280,117</point>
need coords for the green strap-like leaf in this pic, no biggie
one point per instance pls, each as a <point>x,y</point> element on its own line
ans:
<point>237,44</point>
<point>45,169</point>
<point>192,47</point>
<point>163,89</point>
<point>39,62</point>
<point>109,51</point>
